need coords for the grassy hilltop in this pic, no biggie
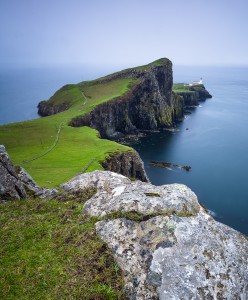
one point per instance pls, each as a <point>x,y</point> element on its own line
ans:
<point>76,147</point>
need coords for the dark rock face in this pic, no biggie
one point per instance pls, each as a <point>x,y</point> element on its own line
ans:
<point>126,163</point>
<point>46,109</point>
<point>197,93</point>
<point>56,104</point>
<point>10,185</point>
<point>16,183</point>
<point>149,105</point>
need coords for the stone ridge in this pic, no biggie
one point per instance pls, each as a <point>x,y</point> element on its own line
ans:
<point>178,251</point>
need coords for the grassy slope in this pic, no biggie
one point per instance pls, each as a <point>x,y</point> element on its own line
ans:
<point>49,251</point>
<point>76,146</point>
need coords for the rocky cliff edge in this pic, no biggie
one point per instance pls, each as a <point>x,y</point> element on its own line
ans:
<point>166,244</point>
<point>148,105</point>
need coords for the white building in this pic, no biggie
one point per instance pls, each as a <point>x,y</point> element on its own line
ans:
<point>194,83</point>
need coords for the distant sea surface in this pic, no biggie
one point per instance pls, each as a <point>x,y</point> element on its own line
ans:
<point>213,140</point>
<point>21,89</point>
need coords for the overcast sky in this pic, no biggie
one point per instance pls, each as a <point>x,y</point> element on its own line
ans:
<point>123,32</point>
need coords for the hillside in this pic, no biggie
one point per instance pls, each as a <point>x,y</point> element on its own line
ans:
<point>76,148</point>
<point>69,139</point>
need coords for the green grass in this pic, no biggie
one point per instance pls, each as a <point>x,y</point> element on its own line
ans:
<point>49,251</point>
<point>159,62</point>
<point>76,146</point>
<point>180,88</point>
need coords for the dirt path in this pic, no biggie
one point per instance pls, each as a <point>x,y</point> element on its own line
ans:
<point>57,136</point>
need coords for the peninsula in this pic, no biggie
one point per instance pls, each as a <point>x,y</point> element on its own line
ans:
<point>79,118</point>
<point>99,234</point>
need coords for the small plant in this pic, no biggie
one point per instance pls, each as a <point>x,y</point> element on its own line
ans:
<point>116,268</point>
<point>132,179</point>
<point>152,194</point>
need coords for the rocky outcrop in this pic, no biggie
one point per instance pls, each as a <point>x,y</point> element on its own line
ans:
<point>149,104</point>
<point>16,183</point>
<point>60,101</point>
<point>46,109</point>
<point>166,244</point>
<point>126,163</point>
<point>10,185</point>
<point>194,95</point>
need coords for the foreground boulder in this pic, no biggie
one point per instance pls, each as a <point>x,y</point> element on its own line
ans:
<point>166,244</point>
<point>16,183</point>
<point>10,184</point>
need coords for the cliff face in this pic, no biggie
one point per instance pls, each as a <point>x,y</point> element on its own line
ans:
<point>149,105</point>
<point>126,163</point>
<point>62,100</point>
<point>46,109</point>
<point>195,95</point>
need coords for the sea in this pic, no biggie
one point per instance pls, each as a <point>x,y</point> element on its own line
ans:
<point>212,140</point>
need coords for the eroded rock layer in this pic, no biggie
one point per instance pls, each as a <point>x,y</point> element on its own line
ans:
<point>149,105</point>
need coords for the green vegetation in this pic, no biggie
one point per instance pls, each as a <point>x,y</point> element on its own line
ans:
<point>180,88</point>
<point>76,147</point>
<point>159,62</point>
<point>152,194</point>
<point>49,251</point>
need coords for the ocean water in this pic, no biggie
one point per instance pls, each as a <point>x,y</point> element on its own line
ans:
<point>21,89</point>
<point>212,140</point>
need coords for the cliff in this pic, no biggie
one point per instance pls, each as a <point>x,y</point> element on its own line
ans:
<point>126,163</point>
<point>150,102</point>
<point>163,243</point>
<point>62,100</point>
<point>148,105</point>
<point>192,95</point>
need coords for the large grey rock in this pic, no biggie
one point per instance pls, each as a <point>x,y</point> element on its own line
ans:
<point>16,183</point>
<point>177,252</point>
<point>116,193</point>
<point>10,184</point>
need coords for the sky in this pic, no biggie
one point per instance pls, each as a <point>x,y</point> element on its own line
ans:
<point>123,32</point>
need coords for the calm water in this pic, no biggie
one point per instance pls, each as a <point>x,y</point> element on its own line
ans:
<point>215,146</point>
<point>22,89</point>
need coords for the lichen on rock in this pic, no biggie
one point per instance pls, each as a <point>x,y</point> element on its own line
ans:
<point>176,251</point>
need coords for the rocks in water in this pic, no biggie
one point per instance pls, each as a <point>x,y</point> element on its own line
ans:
<point>16,183</point>
<point>162,164</point>
<point>176,251</point>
